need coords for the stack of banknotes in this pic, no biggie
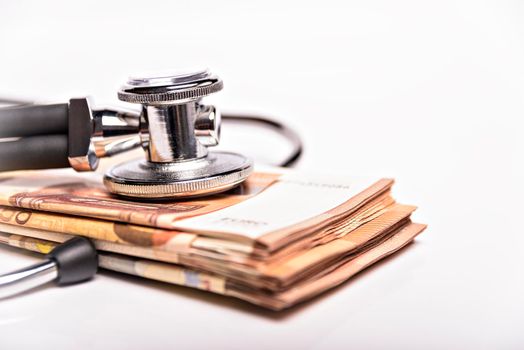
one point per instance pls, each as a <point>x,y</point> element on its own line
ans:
<point>277,240</point>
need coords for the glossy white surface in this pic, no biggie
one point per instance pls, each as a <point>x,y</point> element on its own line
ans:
<point>429,93</point>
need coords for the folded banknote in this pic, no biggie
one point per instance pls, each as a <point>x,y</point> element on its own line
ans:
<point>278,239</point>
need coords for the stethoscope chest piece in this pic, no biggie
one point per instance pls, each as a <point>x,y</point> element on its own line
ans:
<point>175,131</point>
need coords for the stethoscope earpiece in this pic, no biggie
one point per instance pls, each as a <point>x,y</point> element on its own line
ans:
<point>73,261</point>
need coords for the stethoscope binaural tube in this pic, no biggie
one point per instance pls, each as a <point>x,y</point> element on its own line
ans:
<point>33,136</point>
<point>33,120</point>
<point>34,152</point>
<point>36,136</point>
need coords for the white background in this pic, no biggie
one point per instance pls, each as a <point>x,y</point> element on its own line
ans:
<point>430,93</point>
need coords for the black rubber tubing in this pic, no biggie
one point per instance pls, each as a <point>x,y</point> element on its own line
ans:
<point>20,121</point>
<point>281,128</point>
<point>34,152</point>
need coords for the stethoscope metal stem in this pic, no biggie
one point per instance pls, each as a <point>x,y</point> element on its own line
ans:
<point>73,261</point>
<point>27,278</point>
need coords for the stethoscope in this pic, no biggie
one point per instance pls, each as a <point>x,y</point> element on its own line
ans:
<point>175,129</point>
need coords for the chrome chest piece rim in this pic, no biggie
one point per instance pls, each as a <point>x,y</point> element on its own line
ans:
<point>218,172</point>
<point>176,130</point>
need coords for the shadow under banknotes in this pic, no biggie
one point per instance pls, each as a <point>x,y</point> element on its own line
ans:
<point>243,306</point>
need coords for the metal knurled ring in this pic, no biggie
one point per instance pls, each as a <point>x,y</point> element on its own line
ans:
<point>175,189</point>
<point>175,95</point>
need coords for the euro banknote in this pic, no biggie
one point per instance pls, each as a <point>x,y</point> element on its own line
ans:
<point>272,274</point>
<point>280,238</point>
<point>193,278</point>
<point>266,213</point>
